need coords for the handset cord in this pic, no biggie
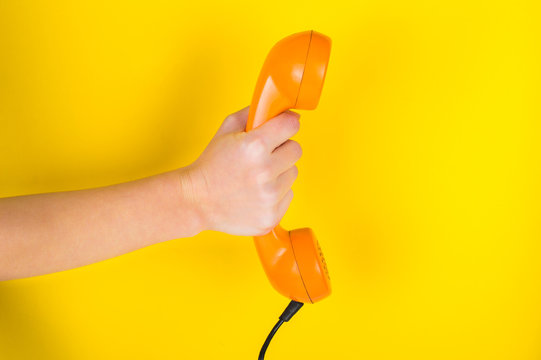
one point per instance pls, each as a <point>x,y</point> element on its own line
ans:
<point>288,313</point>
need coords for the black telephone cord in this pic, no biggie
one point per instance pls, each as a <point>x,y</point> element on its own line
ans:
<point>288,313</point>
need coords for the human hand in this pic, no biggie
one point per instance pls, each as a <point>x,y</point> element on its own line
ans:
<point>241,183</point>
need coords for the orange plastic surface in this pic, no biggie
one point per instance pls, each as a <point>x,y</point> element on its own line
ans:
<point>292,78</point>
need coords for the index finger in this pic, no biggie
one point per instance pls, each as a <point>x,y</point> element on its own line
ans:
<point>277,130</point>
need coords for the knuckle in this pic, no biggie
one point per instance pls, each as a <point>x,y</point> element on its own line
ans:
<point>269,195</point>
<point>296,149</point>
<point>295,171</point>
<point>289,195</point>
<point>293,122</point>
<point>268,221</point>
<point>263,176</point>
<point>232,119</point>
<point>255,146</point>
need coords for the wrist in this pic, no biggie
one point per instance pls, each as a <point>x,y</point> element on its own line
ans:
<point>194,196</point>
<point>179,201</point>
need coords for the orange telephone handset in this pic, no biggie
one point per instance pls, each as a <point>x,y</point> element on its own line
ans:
<point>292,78</point>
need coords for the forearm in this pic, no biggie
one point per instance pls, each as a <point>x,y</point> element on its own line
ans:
<point>45,233</point>
<point>241,185</point>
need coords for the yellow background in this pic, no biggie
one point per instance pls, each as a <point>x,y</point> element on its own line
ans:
<point>420,176</point>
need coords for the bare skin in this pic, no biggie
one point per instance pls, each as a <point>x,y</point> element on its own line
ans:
<point>241,185</point>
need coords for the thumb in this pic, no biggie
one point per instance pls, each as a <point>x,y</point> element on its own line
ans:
<point>235,122</point>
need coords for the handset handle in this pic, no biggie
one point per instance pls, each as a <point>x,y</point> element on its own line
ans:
<point>267,103</point>
<point>280,79</point>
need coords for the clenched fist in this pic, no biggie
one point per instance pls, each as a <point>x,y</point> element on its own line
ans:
<point>241,183</point>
